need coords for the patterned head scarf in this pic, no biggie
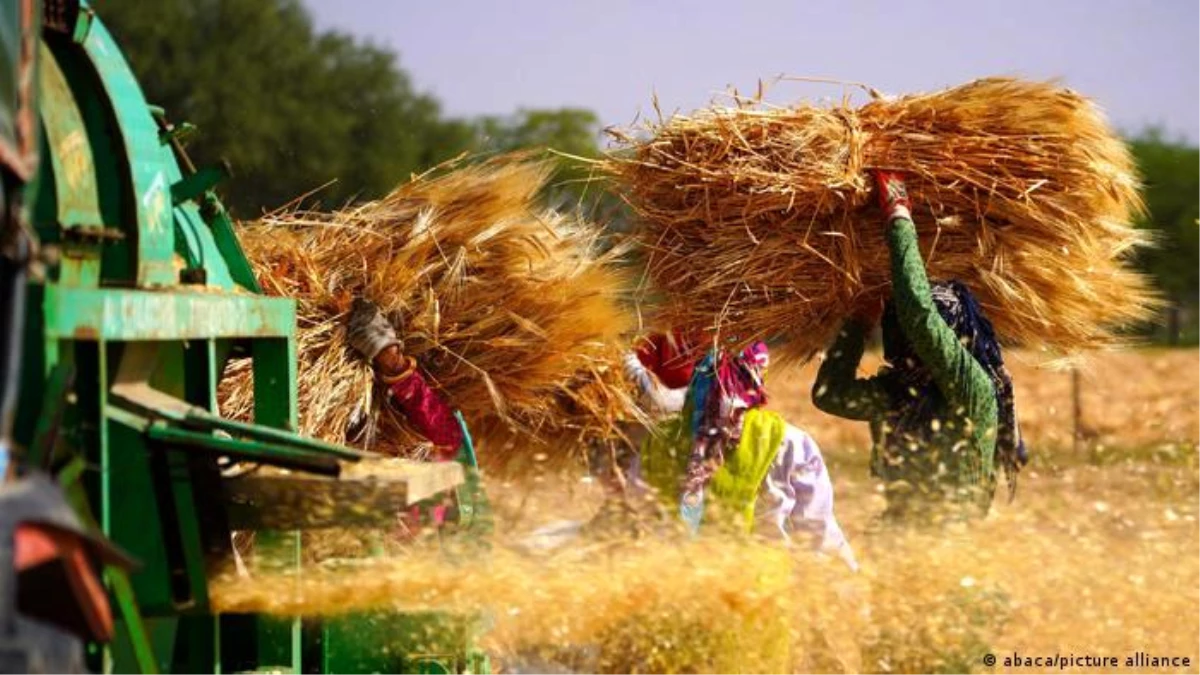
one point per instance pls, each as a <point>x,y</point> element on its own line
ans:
<point>959,308</point>
<point>723,388</point>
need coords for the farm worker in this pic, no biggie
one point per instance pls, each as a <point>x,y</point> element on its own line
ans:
<point>941,411</point>
<point>373,336</point>
<point>660,367</point>
<point>659,359</point>
<point>725,442</point>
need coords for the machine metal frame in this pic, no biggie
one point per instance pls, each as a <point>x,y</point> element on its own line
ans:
<point>126,338</point>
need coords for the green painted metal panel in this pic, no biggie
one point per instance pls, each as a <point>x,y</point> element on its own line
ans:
<point>129,315</point>
<point>197,242</point>
<point>117,205</point>
<point>137,522</point>
<point>195,646</point>
<point>136,634</point>
<point>105,459</point>
<point>198,245</point>
<point>128,145</point>
<point>149,176</point>
<point>275,382</point>
<point>177,482</point>
<point>71,198</point>
<point>163,634</point>
<point>201,374</point>
<point>43,203</point>
<point>387,642</point>
<point>34,371</point>
<point>189,573</point>
<point>70,152</point>
<point>227,243</point>
<point>203,233</point>
<point>274,365</point>
<point>146,497</point>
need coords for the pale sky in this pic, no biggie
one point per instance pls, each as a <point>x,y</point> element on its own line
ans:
<point>1137,58</point>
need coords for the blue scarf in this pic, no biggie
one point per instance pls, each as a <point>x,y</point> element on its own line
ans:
<point>959,308</point>
<point>716,376</point>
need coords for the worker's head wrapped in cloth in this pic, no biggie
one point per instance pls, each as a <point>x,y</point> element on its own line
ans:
<point>912,383</point>
<point>671,356</point>
<point>661,366</point>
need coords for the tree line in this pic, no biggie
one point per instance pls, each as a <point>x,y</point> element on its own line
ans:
<point>293,109</point>
<point>1171,175</point>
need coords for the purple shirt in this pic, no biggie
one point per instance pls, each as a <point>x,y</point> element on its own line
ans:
<point>796,498</point>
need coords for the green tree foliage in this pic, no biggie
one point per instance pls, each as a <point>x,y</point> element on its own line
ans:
<point>573,135</point>
<point>1171,172</point>
<point>569,131</point>
<point>572,131</point>
<point>290,108</point>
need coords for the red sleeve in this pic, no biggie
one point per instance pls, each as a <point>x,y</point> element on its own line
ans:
<point>427,412</point>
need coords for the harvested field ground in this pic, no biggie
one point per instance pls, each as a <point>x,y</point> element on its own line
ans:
<point>1099,556</point>
<point>1136,401</point>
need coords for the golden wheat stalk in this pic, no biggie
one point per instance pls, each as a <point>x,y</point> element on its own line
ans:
<point>510,308</point>
<point>759,222</point>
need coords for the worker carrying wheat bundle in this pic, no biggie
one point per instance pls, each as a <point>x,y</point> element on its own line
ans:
<point>758,220</point>
<point>374,337</point>
<point>941,411</point>
<point>724,451</point>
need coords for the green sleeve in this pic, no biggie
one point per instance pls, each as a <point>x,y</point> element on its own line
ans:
<point>838,390</point>
<point>957,374</point>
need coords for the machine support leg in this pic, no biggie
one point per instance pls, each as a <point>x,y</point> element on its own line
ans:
<point>117,578</point>
<point>275,405</point>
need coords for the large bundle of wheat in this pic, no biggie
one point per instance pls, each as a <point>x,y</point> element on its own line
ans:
<point>509,307</point>
<point>760,221</point>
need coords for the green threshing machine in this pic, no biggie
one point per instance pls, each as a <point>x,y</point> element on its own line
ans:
<point>125,295</point>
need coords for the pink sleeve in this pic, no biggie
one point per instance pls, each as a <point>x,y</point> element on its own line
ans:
<point>428,413</point>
